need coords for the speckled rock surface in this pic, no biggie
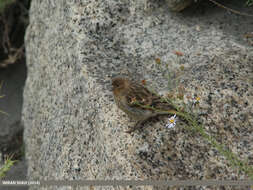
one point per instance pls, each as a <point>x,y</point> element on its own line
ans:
<point>74,130</point>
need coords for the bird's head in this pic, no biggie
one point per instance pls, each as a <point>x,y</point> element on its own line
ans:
<point>119,83</point>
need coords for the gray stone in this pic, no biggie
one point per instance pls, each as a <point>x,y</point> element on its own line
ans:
<point>11,128</point>
<point>13,79</point>
<point>73,128</point>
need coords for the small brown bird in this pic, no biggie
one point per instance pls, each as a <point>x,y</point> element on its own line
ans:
<point>137,101</point>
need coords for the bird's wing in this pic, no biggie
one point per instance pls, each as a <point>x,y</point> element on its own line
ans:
<point>140,95</point>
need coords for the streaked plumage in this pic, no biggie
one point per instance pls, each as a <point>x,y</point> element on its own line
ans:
<point>127,93</point>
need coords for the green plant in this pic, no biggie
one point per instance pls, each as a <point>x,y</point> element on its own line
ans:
<point>6,167</point>
<point>185,112</point>
<point>249,2</point>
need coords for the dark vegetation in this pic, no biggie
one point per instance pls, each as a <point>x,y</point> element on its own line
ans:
<point>13,22</point>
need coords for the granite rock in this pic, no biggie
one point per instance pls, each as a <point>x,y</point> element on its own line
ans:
<point>74,130</point>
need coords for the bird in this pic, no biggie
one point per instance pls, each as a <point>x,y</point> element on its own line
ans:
<point>138,102</point>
